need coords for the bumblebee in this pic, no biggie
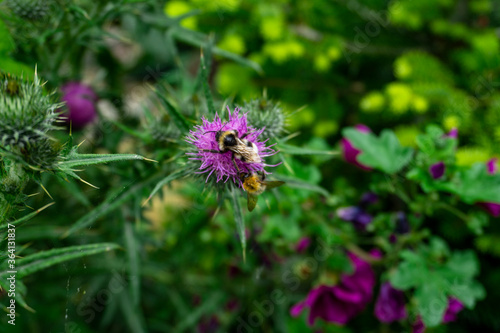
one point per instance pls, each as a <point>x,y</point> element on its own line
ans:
<point>240,147</point>
<point>255,184</point>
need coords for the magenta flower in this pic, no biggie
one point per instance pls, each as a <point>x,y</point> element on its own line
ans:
<point>350,153</point>
<point>491,207</point>
<point>453,133</point>
<point>303,244</point>
<point>221,165</point>
<point>81,102</point>
<point>390,304</point>
<point>340,303</point>
<point>437,170</point>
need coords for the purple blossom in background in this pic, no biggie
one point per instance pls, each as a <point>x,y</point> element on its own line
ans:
<point>356,215</point>
<point>437,170</point>
<point>454,307</point>
<point>368,198</point>
<point>491,207</point>
<point>402,224</point>
<point>492,166</point>
<point>303,244</point>
<point>208,324</point>
<point>418,326</point>
<point>221,165</point>
<point>390,304</point>
<point>350,153</point>
<point>340,303</point>
<point>80,102</point>
<point>453,133</point>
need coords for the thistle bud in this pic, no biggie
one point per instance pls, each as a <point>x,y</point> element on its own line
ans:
<point>27,113</point>
<point>263,113</point>
<point>29,9</point>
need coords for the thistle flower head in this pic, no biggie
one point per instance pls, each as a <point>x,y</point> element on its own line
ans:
<point>220,165</point>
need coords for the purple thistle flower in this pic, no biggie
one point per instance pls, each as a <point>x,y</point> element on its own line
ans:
<point>339,304</point>
<point>221,165</point>
<point>390,304</point>
<point>351,153</point>
<point>492,208</point>
<point>437,170</point>
<point>81,103</point>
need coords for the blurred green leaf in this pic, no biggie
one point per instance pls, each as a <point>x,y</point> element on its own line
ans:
<point>7,44</point>
<point>133,263</point>
<point>384,153</point>
<point>475,184</point>
<point>174,113</point>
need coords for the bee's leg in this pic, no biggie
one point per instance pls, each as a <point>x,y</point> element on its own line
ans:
<point>234,162</point>
<point>244,135</point>
<point>212,151</point>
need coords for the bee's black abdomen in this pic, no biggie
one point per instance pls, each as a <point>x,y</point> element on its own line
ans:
<point>230,140</point>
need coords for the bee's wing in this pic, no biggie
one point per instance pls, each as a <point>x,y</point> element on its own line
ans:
<point>248,154</point>
<point>251,201</point>
<point>273,184</point>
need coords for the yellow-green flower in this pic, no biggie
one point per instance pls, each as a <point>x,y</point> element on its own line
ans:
<point>177,8</point>
<point>373,102</point>
<point>233,43</point>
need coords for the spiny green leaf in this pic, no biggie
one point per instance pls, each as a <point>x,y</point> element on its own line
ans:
<point>75,159</point>
<point>111,203</point>
<point>26,217</point>
<point>44,259</point>
<point>166,180</point>
<point>179,120</point>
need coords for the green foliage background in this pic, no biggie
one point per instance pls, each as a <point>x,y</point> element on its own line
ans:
<point>113,263</point>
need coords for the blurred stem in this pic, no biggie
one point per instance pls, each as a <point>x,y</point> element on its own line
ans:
<point>454,211</point>
<point>399,191</point>
<point>5,210</point>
